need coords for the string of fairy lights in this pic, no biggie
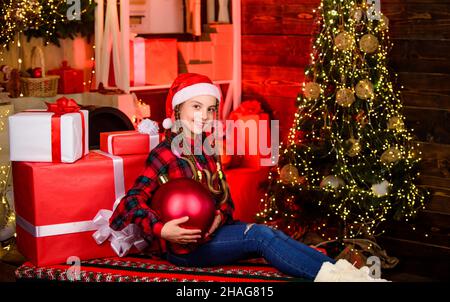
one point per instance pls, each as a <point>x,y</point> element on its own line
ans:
<point>7,216</point>
<point>23,16</point>
<point>36,18</point>
<point>349,106</point>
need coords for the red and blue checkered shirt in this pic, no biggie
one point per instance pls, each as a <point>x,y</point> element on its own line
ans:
<point>135,206</point>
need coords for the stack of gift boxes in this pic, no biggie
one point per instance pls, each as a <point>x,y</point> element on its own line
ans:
<point>212,55</point>
<point>158,61</point>
<point>64,193</point>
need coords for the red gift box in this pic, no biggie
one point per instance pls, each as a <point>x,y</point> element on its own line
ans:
<point>128,142</point>
<point>247,141</point>
<point>152,62</point>
<point>245,191</point>
<point>55,204</point>
<point>70,81</point>
<point>222,50</point>
<point>198,51</point>
<point>206,69</point>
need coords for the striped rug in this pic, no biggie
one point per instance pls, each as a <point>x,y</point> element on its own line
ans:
<point>144,269</point>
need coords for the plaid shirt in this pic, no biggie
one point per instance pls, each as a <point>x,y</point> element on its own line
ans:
<point>135,205</point>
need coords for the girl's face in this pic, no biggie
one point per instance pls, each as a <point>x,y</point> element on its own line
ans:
<point>196,112</point>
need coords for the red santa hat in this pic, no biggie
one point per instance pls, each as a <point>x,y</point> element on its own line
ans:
<point>185,87</point>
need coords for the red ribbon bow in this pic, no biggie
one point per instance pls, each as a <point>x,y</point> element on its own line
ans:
<point>62,106</point>
<point>249,107</point>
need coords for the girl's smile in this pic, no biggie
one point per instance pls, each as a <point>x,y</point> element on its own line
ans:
<point>197,112</point>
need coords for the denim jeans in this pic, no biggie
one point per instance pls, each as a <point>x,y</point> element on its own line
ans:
<point>240,241</point>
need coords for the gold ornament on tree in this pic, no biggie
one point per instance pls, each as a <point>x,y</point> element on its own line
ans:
<point>312,91</point>
<point>357,14</point>
<point>354,147</point>
<point>364,89</point>
<point>368,43</point>
<point>395,123</point>
<point>345,97</point>
<point>381,189</point>
<point>344,41</point>
<point>384,22</point>
<point>391,155</point>
<point>289,173</point>
<point>332,181</point>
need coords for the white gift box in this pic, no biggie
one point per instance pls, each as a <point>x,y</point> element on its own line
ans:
<point>30,136</point>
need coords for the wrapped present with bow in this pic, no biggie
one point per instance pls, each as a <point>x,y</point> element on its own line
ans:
<point>63,210</point>
<point>141,141</point>
<point>58,134</point>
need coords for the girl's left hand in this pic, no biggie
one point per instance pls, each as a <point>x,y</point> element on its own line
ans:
<point>215,224</point>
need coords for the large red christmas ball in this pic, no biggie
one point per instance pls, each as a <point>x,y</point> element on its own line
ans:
<point>185,197</point>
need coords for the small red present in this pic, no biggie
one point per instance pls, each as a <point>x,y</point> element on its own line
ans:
<point>128,142</point>
<point>70,81</point>
<point>56,204</point>
<point>250,135</point>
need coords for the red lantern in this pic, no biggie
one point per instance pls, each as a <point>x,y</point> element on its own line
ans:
<point>185,197</point>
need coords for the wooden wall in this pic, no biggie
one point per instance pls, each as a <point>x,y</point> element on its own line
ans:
<point>276,43</point>
<point>420,30</point>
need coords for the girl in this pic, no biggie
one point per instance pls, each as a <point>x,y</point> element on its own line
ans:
<point>193,101</point>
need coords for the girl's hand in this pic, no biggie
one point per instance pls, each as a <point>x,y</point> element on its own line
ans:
<point>215,224</point>
<point>171,231</point>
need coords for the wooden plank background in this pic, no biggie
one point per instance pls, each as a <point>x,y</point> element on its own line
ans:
<point>276,42</point>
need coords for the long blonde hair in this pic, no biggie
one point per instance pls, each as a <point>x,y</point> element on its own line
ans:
<point>221,193</point>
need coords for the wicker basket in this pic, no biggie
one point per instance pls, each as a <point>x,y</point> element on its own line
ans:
<point>46,86</point>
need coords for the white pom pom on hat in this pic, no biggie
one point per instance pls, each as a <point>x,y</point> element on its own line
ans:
<point>167,123</point>
<point>185,87</point>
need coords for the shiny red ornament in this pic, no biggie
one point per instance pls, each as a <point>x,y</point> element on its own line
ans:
<point>185,197</point>
<point>37,72</point>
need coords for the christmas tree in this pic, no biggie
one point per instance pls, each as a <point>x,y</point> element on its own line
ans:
<point>47,19</point>
<point>349,164</point>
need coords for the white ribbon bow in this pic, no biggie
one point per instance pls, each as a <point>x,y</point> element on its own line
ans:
<point>147,126</point>
<point>121,241</point>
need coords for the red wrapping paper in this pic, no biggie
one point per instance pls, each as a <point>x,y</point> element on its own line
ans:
<point>128,142</point>
<point>245,191</point>
<point>250,110</point>
<point>54,193</point>
<point>71,80</point>
<point>156,63</point>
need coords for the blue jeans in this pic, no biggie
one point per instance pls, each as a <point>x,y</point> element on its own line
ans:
<point>239,241</point>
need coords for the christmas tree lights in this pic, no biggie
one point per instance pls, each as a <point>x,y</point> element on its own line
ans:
<point>349,163</point>
<point>43,18</point>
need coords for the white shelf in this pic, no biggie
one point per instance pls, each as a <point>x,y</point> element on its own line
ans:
<point>121,50</point>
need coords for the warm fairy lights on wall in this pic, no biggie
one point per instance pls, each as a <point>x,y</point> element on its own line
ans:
<point>7,216</point>
<point>47,19</point>
<point>349,117</point>
<point>21,15</point>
